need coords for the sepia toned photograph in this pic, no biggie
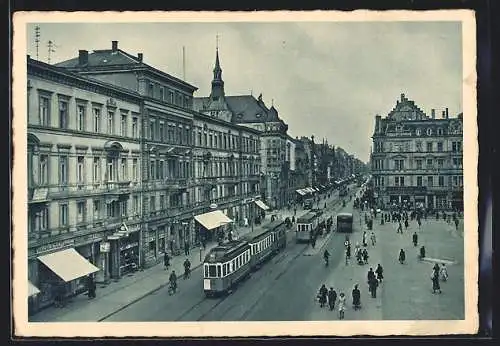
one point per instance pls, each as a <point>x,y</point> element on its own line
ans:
<point>245,174</point>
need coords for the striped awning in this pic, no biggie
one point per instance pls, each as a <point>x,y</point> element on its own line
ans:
<point>301,192</point>
<point>261,205</point>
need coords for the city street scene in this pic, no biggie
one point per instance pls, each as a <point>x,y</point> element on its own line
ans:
<point>239,171</point>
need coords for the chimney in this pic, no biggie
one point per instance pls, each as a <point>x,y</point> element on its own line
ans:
<point>433,113</point>
<point>446,112</point>
<point>114,46</point>
<point>139,57</point>
<point>402,97</point>
<point>83,57</point>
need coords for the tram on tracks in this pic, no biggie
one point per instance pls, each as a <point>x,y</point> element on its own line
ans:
<point>307,226</point>
<point>228,264</point>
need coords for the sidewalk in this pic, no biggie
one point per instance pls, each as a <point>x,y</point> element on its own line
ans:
<point>117,295</point>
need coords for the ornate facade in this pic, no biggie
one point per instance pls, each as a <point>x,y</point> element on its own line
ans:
<point>418,160</point>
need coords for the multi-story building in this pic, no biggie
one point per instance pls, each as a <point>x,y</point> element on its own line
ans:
<point>84,177</point>
<point>226,157</point>
<point>418,160</point>
<point>166,144</point>
<point>252,113</point>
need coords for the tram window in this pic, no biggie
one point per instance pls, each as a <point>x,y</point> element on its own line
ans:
<point>212,271</point>
<point>219,271</point>
<point>224,271</point>
<point>206,270</point>
<point>233,266</point>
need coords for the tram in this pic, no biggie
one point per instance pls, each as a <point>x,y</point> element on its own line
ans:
<point>228,264</point>
<point>307,226</point>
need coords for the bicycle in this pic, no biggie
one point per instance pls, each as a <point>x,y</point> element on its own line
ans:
<point>172,289</point>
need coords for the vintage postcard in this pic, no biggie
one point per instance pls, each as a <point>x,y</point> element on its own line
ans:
<point>245,174</point>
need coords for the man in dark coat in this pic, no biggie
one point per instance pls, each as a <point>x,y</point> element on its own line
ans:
<point>166,261</point>
<point>332,297</point>
<point>380,273</point>
<point>370,275</point>
<point>415,239</point>
<point>435,282</point>
<point>91,286</point>
<point>373,284</point>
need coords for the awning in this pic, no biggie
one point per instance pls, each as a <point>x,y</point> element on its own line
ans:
<point>213,219</point>
<point>301,192</point>
<point>32,289</point>
<point>316,188</point>
<point>261,205</point>
<point>68,264</point>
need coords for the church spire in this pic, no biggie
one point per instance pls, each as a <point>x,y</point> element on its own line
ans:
<point>217,82</point>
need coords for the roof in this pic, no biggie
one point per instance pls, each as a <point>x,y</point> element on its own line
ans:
<point>107,59</point>
<point>255,234</point>
<point>223,252</point>
<point>248,109</point>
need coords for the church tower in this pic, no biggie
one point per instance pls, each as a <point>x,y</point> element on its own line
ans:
<point>217,82</point>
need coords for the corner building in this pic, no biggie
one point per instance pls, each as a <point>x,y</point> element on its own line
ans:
<point>417,160</point>
<point>84,177</point>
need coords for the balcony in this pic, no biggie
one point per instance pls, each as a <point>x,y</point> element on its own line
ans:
<point>230,179</point>
<point>177,183</point>
<point>37,194</point>
<point>117,187</point>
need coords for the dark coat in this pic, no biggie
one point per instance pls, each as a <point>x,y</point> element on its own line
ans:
<point>370,276</point>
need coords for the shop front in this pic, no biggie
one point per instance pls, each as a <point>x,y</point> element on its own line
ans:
<point>129,253</point>
<point>212,225</point>
<point>61,274</point>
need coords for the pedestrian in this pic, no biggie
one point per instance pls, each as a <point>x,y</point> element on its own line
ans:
<point>422,252</point>
<point>91,286</point>
<point>415,239</point>
<point>370,275</point>
<point>293,219</point>
<point>166,261</point>
<point>373,284</point>
<point>373,238</point>
<point>341,305</point>
<point>365,256</point>
<point>186,248</point>
<point>364,239</point>
<point>406,223</point>
<point>402,256</point>
<point>356,297</point>
<point>400,228</point>
<point>419,223</point>
<point>456,223</point>
<point>443,272</point>
<point>435,282</point>
<point>332,297</point>
<point>380,273</point>
<point>323,293</point>
<point>436,269</point>
<point>294,211</point>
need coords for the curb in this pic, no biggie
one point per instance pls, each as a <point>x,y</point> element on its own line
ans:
<point>135,300</point>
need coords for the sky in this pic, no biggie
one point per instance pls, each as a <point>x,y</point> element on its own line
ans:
<point>327,79</point>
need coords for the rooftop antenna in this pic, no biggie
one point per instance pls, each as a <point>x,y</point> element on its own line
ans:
<point>51,49</point>
<point>217,42</point>
<point>183,63</point>
<point>37,39</point>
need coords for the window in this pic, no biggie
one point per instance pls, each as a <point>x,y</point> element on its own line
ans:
<point>161,169</point>
<point>63,215</point>
<point>171,96</point>
<point>112,176</point>
<point>212,270</point>
<point>162,202</point>
<point>418,145</point>
<point>111,122</point>
<point>399,164</point>
<point>419,181</point>
<point>419,132</point>
<point>97,209</point>
<point>80,110</point>
<point>151,90</point>
<point>430,182</point>
<point>97,120</point>
<point>97,170</point>
<point>135,204</point>
<point>440,131</point>
<point>162,94</point>
<point>124,169</point>
<point>123,126</point>
<point>429,146</point>
<point>63,114</point>
<point>162,132</point>
<point>429,163</point>
<point>152,203</point>
<point>419,164</point>
<point>399,181</point>
<point>440,146</point>
<point>63,170</point>
<point>429,132</point>
<point>44,219</point>
<point>456,146</point>
<point>44,111</point>
<point>440,163</point>
<point>43,173</point>
<point>80,214</point>
<point>152,128</point>
<point>134,170</point>
<point>80,169</point>
<point>152,169</point>
<point>455,180</point>
<point>441,181</point>
<point>134,127</point>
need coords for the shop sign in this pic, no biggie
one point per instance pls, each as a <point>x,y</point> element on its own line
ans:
<point>128,246</point>
<point>55,246</point>
<point>104,247</point>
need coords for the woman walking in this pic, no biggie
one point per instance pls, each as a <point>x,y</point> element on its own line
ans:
<point>341,305</point>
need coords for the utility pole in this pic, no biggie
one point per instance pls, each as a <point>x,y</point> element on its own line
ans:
<point>37,39</point>
<point>51,49</point>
